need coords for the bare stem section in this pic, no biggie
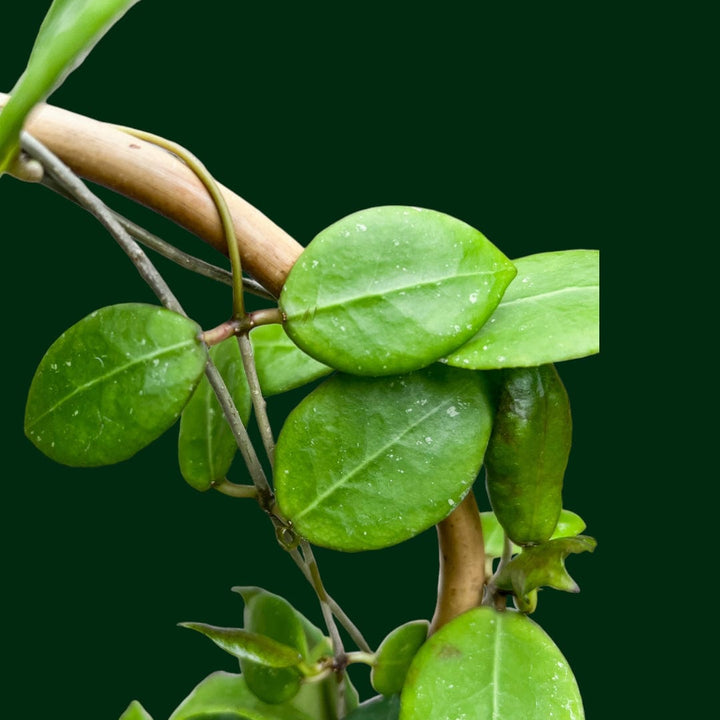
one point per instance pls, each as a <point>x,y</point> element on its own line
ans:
<point>462,563</point>
<point>155,178</point>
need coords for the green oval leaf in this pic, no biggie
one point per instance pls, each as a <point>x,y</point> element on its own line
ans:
<point>391,289</point>
<point>395,655</point>
<point>485,664</point>
<point>550,312</point>
<point>112,384</point>
<point>528,453</point>
<point>246,645</point>
<point>273,617</point>
<point>377,708</point>
<point>206,445</point>
<point>69,31</point>
<point>364,463</point>
<point>226,695</point>
<point>135,711</point>
<point>544,566</point>
<point>281,365</point>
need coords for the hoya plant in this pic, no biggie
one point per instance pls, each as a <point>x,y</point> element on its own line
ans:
<point>427,366</point>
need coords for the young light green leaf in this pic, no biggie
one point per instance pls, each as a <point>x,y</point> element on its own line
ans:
<point>112,384</point>
<point>392,289</point>
<point>282,365</point>
<point>485,664</point>
<point>135,711</point>
<point>68,33</point>
<point>272,616</point>
<point>248,645</point>
<point>544,566</point>
<point>395,654</point>
<point>550,312</point>
<point>364,463</point>
<point>568,525</point>
<point>206,445</point>
<point>378,708</point>
<point>226,695</point>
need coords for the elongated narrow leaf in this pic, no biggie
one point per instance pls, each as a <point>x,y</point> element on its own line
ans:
<point>528,452</point>
<point>70,30</point>
<point>225,695</point>
<point>248,645</point>
<point>544,566</point>
<point>363,463</point>
<point>273,617</point>
<point>112,384</point>
<point>550,312</point>
<point>378,708</point>
<point>206,445</point>
<point>395,654</point>
<point>135,711</point>
<point>392,289</point>
<point>568,525</point>
<point>282,365</point>
<point>485,664</point>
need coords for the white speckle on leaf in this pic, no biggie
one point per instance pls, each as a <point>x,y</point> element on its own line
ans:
<point>452,412</point>
<point>361,227</point>
<point>473,297</point>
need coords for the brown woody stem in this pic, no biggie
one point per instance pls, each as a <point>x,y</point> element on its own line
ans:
<point>155,178</point>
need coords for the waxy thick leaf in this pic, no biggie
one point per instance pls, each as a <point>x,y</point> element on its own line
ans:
<point>568,525</point>
<point>69,31</point>
<point>550,312</point>
<point>395,654</point>
<point>544,566</point>
<point>206,445</point>
<point>226,695</point>
<point>135,711</point>
<point>272,616</point>
<point>281,365</point>
<point>112,384</point>
<point>528,452</point>
<point>378,708</point>
<point>364,463</point>
<point>246,645</point>
<point>392,289</point>
<point>485,664</point>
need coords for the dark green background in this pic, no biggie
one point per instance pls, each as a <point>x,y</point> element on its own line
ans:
<point>500,120</point>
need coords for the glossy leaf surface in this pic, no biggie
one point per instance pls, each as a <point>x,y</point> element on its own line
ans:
<point>528,453</point>
<point>378,708</point>
<point>550,312</point>
<point>392,289</point>
<point>281,365</point>
<point>248,645</point>
<point>544,566</point>
<point>69,31</point>
<point>364,463</point>
<point>485,664</point>
<point>206,445</point>
<point>395,655</point>
<point>272,616</point>
<point>112,384</point>
<point>135,711</point>
<point>568,525</point>
<point>225,695</point>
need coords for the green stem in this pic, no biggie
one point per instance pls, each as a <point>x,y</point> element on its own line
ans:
<point>234,490</point>
<point>217,197</point>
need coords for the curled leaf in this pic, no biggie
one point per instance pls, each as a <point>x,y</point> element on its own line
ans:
<point>544,566</point>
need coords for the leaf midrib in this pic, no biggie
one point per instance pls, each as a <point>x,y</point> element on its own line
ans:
<point>394,291</point>
<point>549,293</point>
<point>367,461</point>
<point>82,388</point>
